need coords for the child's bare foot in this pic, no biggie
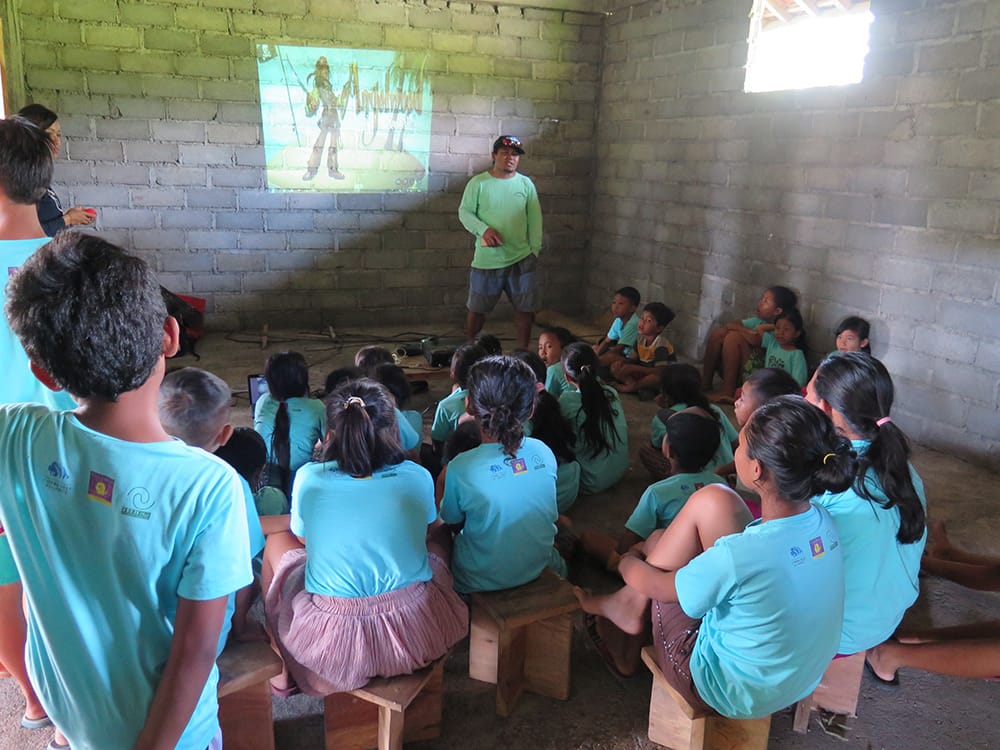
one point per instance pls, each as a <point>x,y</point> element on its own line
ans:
<point>938,544</point>
<point>881,663</point>
<point>624,608</point>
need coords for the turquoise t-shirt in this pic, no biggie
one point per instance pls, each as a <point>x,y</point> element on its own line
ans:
<point>19,385</point>
<point>447,414</point>
<point>256,541</point>
<point>728,435</point>
<point>306,425</point>
<point>880,574</point>
<point>626,333</point>
<point>363,536</point>
<point>753,322</point>
<point>663,500</point>
<point>567,485</point>
<point>771,602</point>
<point>509,206</point>
<point>108,535</point>
<point>416,421</point>
<point>792,361</point>
<point>598,470</point>
<point>555,380</point>
<point>408,437</point>
<point>508,508</point>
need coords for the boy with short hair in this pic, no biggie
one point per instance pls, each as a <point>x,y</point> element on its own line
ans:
<point>621,336</point>
<point>128,542</point>
<point>451,408</point>
<point>194,406</point>
<point>652,350</point>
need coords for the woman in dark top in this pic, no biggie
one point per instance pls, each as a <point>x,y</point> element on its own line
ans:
<point>50,213</point>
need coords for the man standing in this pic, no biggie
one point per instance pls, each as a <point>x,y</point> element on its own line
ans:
<point>500,207</point>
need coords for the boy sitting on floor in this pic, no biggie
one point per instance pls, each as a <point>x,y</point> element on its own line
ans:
<point>128,542</point>
<point>652,350</point>
<point>194,406</point>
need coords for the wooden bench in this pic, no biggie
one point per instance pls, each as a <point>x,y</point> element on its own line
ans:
<point>674,723</point>
<point>520,638</point>
<point>386,712</point>
<point>837,691</point>
<point>245,670</point>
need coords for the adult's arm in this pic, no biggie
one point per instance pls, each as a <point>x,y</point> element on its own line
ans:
<point>534,215</point>
<point>191,658</point>
<point>468,209</point>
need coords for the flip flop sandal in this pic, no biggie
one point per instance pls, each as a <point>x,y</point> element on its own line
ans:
<point>40,723</point>
<point>590,623</point>
<point>53,745</point>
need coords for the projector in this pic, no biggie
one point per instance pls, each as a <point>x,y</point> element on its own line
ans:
<point>439,351</point>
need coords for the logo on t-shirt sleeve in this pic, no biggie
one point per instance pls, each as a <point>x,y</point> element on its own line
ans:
<point>100,488</point>
<point>518,466</point>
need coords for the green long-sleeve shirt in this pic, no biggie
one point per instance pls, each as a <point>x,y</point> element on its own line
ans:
<point>510,206</point>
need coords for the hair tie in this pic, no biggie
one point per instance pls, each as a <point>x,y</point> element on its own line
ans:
<point>882,421</point>
<point>827,456</point>
<point>354,400</point>
<point>584,369</point>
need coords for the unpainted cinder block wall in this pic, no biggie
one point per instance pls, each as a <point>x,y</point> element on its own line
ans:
<point>159,106</point>
<point>879,199</point>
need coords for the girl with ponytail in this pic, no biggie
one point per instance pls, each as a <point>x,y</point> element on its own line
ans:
<point>882,515</point>
<point>745,615</point>
<point>595,411</point>
<point>359,587</point>
<point>289,421</point>
<point>500,497</point>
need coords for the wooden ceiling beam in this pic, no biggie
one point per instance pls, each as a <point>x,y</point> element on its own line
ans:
<point>777,12</point>
<point>809,6</point>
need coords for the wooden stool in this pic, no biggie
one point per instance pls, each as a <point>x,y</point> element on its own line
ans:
<point>837,691</point>
<point>676,724</point>
<point>519,639</point>
<point>245,695</point>
<point>373,716</point>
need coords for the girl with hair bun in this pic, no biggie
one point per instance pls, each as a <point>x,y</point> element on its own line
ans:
<point>359,587</point>
<point>595,411</point>
<point>500,498</point>
<point>882,515</point>
<point>745,615</point>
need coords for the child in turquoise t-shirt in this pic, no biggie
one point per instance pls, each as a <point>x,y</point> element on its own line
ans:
<point>128,541</point>
<point>621,336</point>
<point>551,342</point>
<point>852,336</point>
<point>451,408</point>
<point>500,498</point>
<point>785,347</point>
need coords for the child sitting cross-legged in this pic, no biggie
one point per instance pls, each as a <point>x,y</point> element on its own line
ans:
<point>617,343</point>
<point>360,588</point>
<point>194,406</point>
<point>128,541</point>
<point>652,350</point>
<point>500,497</point>
<point>690,441</point>
<point>451,408</point>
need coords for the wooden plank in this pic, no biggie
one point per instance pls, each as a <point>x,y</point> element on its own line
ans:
<point>669,725</point>
<point>390,729</point>
<point>484,635</point>
<point>547,657</point>
<point>394,693</point>
<point>649,659</point>
<point>512,646</point>
<point>722,733</point>
<point>243,664</point>
<point>349,722</point>
<point>547,596</point>
<point>423,715</point>
<point>840,685</point>
<point>246,719</point>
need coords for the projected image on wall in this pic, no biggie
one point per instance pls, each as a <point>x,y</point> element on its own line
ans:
<point>344,120</point>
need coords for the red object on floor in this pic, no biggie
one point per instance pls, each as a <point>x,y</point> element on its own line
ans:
<point>198,303</point>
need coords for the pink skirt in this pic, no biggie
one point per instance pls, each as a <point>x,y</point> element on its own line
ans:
<point>331,644</point>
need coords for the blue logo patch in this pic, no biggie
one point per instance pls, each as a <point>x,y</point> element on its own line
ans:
<point>58,471</point>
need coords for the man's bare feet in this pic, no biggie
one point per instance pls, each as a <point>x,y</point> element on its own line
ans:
<point>625,608</point>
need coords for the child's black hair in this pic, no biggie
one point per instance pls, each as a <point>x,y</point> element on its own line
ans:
<point>563,335</point>
<point>858,326</point>
<point>681,384</point>
<point>25,160</point>
<point>580,362</point>
<point>247,453</point>
<point>662,314</point>
<point>501,394</point>
<point>465,437</point>
<point>362,433</point>
<point>89,314</point>
<point>547,421</point>
<point>287,376</point>
<point>770,382</point>
<point>338,377</point>
<point>393,378</point>
<point>193,405</point>
<point>631,294</point>
<point>799,446</point>
<point>489,344</point>
<point>859,387</point>
<point>693,439</point>
<point>784,298</point>
<point>370,357</point>
<point>793,316</point>
<point>462,361</point>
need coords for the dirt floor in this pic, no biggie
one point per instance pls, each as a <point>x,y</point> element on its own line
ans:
<point>926,712</point>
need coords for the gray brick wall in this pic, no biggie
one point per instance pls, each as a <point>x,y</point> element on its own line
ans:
<point>159,109</point>
<point>879,199</point>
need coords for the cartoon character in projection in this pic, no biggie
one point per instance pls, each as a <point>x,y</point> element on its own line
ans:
<point>322,94</point>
